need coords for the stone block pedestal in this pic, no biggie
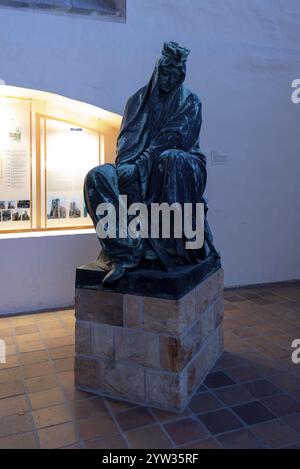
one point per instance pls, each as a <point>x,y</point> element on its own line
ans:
<point>150,351</point>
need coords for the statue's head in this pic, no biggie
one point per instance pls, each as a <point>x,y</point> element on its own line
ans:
<point>172,66</point>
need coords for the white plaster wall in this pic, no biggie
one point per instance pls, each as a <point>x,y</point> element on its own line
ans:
<point>38,272</point>
<point>245,54</point>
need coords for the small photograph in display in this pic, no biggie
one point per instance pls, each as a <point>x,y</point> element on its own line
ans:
<point>56,207</point>
<point>11,204</point>
<point>74,208</point>
<point>2,205</point>
<point>16,215</point>
<point>23,204</point>
<point>25,215</point>
<point>6,215</point>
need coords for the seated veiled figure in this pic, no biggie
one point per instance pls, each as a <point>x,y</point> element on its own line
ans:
<point>158,160</point>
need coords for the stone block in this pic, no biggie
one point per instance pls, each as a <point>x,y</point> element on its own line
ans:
<point>124,380</point>
<point>133,310</point>
<point>99,306</point>
<point>166,390</point>
<point>219,311</point>
<point>87,372</point>
<point>169,316</point>
<point>208,291</point>
<point>207,322</point>
<point>175,352</point>
<point>137,346</point>
<point>102,338</point>
<point>83,337</point>
<point>204,360</point>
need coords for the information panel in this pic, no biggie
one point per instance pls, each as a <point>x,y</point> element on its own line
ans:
<point>15,164</point>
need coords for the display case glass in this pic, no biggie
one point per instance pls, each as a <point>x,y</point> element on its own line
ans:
<point>70,152</point>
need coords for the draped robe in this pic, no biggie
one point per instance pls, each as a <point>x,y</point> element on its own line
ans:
<point>160,137</point>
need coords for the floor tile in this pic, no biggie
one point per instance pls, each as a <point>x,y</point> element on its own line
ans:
<point>233,395</point>
<point>239,439</point>
<point>13,405</point>
<point>185,431</point>
<point>31,346</point>
<point>253,412</point>
<point>34,357</point>
<point>88,407</point>
<point>44,399</point>
<point>79,445</point>
<point>38,369</point>
<point>275,433</point>
<point>54,333</point>
<point>13,388</point>
<point>24,338</point>
<point>62,352</point>
<point>59,342</point>
<point>64,364</point>
<point>204,402</point>
<point>20,441</point>
<point>27,329</point>
<point>111,442</point>
<point>118,406</point>
<point>294,421</point>
<point>49,324</point>
<point>73,394</point>
<point>41,383</point>
<point>285,381</point>
<point>281,405</point>
<point>23,320</point>
<point>101,425</point>
<point>134,418</point>
<point>151,437</point>
<point>296,395</point>
<point>5,323</point>
<point>50,416</point>
<point>16,423</point>
<point>220,421</point>
<point>261,388</point>
<point>57,436</point>
<point>166,416</point>
<point>293,446</point>
<point>12,361</point>
<point>242,374</point>
<point>66,378</point>
<point>10,374</point>
<point>208,443</point>
<point>217,380</point>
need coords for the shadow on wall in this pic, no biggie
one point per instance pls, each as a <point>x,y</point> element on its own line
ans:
<point>91,8</point>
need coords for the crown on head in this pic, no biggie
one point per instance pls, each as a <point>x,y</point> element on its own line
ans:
<point>175,52</point>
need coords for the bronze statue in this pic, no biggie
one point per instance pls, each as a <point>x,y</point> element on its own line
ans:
<point>158,160</point>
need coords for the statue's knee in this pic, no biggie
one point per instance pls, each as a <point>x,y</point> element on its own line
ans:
<point>97,174</point>
<point>90,177</point>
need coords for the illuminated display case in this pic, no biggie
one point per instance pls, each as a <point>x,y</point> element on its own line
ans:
<point>47,145</point>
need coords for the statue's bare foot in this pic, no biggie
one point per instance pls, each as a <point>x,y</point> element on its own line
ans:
<point>116,272</point>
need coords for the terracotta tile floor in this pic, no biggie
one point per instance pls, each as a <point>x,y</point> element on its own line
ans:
<point>251,399</point>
